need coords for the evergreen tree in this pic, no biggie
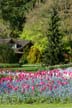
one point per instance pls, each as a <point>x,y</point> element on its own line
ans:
<point>53,54</point>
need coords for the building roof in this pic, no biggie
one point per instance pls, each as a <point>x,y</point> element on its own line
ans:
<point>20,42</point>
<point>17,41</point>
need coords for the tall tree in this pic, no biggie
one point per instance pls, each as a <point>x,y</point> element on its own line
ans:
<point>54,51</point>
<point>14,11</point>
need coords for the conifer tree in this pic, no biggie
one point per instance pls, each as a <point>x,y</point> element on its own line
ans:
<point>53,54</point>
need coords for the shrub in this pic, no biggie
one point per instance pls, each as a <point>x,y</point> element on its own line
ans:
<point>23,59</point>
<point>7,54</point>
<point>68,51</point>
<point>34,55</point>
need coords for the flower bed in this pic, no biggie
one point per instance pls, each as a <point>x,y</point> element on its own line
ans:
<point>42,86</point>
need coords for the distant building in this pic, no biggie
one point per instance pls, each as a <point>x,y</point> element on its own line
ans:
<point>17,45</point>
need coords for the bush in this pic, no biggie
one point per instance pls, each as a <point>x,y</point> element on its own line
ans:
<point>34,55</point>
<point>23,59</point>
<point>68,51</point>
<point>7,54</point>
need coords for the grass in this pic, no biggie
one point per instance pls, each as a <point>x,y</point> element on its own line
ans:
<point>37,106</point>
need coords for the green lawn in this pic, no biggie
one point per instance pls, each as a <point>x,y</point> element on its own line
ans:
<point>38,106</point>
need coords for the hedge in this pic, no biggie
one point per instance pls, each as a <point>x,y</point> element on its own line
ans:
<point>32,67</point>
<point>4,65</point>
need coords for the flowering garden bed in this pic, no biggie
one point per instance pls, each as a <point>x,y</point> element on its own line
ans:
<point>54,86</point>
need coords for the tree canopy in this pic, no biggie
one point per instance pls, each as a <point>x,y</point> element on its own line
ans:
<point>14,11</point>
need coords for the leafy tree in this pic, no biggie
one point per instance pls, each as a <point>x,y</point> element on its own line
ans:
<point>53,54</point>
<point>7,54</point>
<point>36,33</point>
<point>14,11</point>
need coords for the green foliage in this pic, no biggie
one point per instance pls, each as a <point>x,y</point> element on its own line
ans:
<point>36,24</point>
<point>36,33</point>
<point>32,68</point>
<point>6,65</point>
<point>45,105</point>
<point>13,99</point>
<point>54,52</point>
<point>7,55</point>
<point>23,59</point>
<point>34,55</point>
<point>35,27</point>
<point>15,12</point>
<point>30,19</point>
<point>68,51</point>
<point>4,29</point>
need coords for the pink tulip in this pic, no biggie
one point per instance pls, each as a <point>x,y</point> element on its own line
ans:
<point>33,88</point>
